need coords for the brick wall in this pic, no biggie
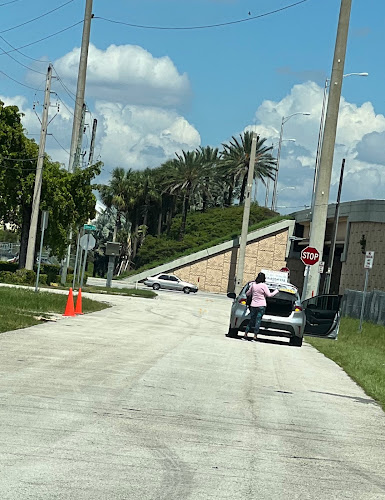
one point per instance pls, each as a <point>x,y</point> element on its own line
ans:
<point>353,272</point>
<point>217,273</point>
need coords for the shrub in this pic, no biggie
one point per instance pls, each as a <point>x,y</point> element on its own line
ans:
<point>7,277</point>
<point>25,277</point>
<point>43,279</point>
<point>8,266</point>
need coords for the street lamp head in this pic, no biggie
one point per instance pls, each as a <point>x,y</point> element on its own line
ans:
<point>306,114</point>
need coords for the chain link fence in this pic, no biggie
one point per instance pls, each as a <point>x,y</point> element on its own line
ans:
<point>374,309</point>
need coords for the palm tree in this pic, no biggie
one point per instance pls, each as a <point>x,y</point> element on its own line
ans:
<point>235,160</point>
<point>184,177</point>
<point>116,194</point>
<point>209,159</point>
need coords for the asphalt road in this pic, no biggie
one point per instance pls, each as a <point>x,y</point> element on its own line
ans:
<point>149,400</point>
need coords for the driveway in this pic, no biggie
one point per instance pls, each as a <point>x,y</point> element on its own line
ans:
<point>150,400</point>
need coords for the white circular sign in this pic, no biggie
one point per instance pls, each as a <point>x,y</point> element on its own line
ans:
<point>87,242</point>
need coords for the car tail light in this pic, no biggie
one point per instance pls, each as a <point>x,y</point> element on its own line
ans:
<point>242,301</point>
<point>297,309</point>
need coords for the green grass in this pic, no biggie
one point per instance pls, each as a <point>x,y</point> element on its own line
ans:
<point>20,307</point>
<point>129,292</point>
<point>361,355</point>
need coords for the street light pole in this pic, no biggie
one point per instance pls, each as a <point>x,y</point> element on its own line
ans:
<point>320,133</point>
<point>246,215</point>
<point>284,120</point>
<point>321,199</point>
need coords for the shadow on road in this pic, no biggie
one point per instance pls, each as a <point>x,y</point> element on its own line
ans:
<point>262,340</point>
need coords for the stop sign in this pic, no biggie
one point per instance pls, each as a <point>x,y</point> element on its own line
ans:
<point>309,256</point>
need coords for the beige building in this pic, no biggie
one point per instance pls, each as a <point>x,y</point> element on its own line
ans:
<point>214,269</point>
<point>361,227</point>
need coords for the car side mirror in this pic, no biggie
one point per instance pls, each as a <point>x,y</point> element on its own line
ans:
<point>231,295</point>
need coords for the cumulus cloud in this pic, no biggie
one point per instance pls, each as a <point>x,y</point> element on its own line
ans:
<point>140,137</point>
<point>137,100</point>
<point>127,74</point>
<point>371,148</point>
<point>359,139</point>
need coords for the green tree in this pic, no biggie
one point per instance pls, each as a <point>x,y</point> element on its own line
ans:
<point>185,179</point>
<point>67,197</point>
<point>235,159</point>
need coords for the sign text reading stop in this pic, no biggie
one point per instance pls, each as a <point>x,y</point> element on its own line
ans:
<point>310,256</point>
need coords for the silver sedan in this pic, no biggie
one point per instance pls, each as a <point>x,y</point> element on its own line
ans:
<point>170,282</point>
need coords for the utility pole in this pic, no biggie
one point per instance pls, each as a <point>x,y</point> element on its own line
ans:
<point>77,126</point>
<point>76,163</point>
<point>39,174</point>
<point>246,215</point>
<point>329,268</point>
<point>321,199</point>
<point>92,146</point>
<point>81,85</point>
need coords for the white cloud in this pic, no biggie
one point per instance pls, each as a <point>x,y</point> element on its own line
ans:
<point>128,136</point>
<point>136,97</point>
<point>359,139</point>
<point>127,74</point>
<point>138,137</point>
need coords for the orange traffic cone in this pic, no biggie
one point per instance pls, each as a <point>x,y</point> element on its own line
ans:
<point>78,309</point>
<point>69,310</point>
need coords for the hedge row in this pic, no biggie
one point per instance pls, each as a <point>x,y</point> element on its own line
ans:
<point>50,270</point>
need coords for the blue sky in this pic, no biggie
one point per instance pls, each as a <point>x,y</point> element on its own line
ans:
<point>159,91</point>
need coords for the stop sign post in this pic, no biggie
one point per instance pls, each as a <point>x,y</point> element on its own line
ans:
<point>309,257</point>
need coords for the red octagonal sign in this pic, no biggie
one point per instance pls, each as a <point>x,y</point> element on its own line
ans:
<point>309,256</point>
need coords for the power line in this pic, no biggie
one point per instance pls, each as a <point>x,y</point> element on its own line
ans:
<point>63,148</point>
<point>18,62</point>
<point>205,26</point>
<point>36,18</point>
<point>7,3</point>
<point>17,159</point>
<point>64,104</point>
<point>44,38</point>
<point>20,83</point>
<point>68,91</point>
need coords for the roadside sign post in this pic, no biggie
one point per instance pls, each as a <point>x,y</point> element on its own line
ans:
<point>309,257</point>
<point>44,225</point>
<point>76,259</point>
<point>87,242</point>
<point>368,264</point>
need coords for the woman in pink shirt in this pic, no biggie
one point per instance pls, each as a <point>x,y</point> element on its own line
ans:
<point>258,292</point>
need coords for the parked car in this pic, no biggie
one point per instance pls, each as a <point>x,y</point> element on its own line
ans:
<point>286,316</point>
<point>170,282</point>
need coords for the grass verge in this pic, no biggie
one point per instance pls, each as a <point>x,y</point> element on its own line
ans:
<point>361,355</point>
<point>20,308</point>
<point>129,292</point>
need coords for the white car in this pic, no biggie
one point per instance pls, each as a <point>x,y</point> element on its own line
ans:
<point>170,282</point>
